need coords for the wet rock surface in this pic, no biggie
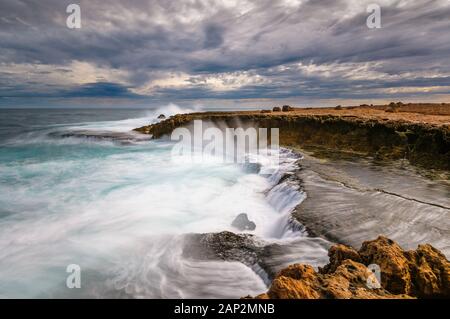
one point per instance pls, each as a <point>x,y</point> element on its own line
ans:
<point>421,273</point>
<point>225,246</point>
<point>266,259</point>
<point>121,137</point>
<point>242,223</point>
<point>350,200</point>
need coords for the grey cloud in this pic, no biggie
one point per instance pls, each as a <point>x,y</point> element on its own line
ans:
<point>149,39</point>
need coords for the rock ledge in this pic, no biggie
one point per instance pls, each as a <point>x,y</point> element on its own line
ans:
<point>421,273</point>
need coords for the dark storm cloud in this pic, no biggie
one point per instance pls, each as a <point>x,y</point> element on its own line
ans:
<point>213,36</point>
<point>99,89</point>
<point>188,47</point>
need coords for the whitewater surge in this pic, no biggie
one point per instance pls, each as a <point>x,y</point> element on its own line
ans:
<point>120,211</point>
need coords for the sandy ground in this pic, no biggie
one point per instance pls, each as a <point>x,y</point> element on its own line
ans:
<point>436,114</point>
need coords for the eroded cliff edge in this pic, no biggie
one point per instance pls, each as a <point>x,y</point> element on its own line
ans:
<point>423,144</point>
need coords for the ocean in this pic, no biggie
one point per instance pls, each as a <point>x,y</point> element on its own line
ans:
<point>77,187</point>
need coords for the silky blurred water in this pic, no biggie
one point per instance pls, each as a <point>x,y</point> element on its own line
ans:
<point>120,210</point>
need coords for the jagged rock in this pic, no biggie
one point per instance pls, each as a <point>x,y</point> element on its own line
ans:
<point>338,254</point>
<point>277,109</point>
<point>339,107</point>
<point>223,246</point>
<point>244,248</point>
<point>389,256</point>
<point>348,281</point>
<point>431,272</point>
<point>161,117</point>
<point>242,223</point>
<point>287,108</point>
<point>423,273</point>
<point>295,282</point>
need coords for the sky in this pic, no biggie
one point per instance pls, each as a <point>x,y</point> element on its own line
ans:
<point>225,54</point>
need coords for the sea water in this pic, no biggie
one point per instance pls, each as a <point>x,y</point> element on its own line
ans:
<point>119,210</point>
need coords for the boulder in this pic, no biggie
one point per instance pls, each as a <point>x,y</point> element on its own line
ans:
<point>242,223</point>
<point>430,272</point>
<point>295,282</point>
<point>424,272</point>
<point>277,109</point>
<point>338,254</point>
<point>421,273</point>
<point>225,246</point>
<point>389,256</point>
<point>287,108</point>
<point>348,281</point>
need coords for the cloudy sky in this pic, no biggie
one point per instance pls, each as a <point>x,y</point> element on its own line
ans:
<point>228,53</point>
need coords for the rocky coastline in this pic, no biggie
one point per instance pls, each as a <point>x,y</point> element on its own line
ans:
<point>405,274</point>
<point>422,139</point>
<point>420,273</point>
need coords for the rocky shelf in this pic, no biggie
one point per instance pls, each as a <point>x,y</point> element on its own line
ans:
<point>423,139</point>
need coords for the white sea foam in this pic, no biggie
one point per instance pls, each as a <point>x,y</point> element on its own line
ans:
<point>110,208</point>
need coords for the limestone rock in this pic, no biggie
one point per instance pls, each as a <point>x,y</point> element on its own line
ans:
<point>295,282</point>
<point>423,144</point>
<point>348,281</point>
<point>338,254</point>
<point>422,273</point>
<point>430,271</point>
<point>389,256</point>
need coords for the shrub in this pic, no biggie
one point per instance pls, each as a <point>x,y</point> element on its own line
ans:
<point>287,108</point>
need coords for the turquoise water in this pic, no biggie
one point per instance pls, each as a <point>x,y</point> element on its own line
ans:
<point>117,209</point>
